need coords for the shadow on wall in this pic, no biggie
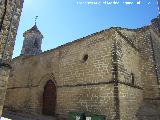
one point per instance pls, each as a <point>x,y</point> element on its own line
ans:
<point>149,110</point>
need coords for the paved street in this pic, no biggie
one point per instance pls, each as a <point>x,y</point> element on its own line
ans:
<point>21,116</point>
<point>2,118</point>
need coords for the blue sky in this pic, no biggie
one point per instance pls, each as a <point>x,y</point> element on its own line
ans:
<point>61,21</point>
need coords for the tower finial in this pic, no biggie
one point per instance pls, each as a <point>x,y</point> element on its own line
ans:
<point>36,19</point>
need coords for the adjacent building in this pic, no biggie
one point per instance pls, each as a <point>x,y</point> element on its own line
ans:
<point>10,12</point>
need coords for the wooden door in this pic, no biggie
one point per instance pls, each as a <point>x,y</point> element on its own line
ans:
<point>49,98</point>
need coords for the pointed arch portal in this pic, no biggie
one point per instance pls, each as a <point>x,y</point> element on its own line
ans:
<point>49,98</point>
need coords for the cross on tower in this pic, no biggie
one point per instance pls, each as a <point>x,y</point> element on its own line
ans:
<point>36,19</point>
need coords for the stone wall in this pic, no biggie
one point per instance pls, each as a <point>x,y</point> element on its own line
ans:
<point>4,74</point>
<point>32,41</point>
<point>149,110</point>
<point>10,16</point>
<point>129,75</point>
<point>10,11</point>
<point>111,73</point>
<point>128,62</point>
<point>131,100</point>
<point>96,99</point>
<point>148,64</point>
<point>82,84</point>
<point>156,50</point>
<point>136,55</point>
<point>137,77</point>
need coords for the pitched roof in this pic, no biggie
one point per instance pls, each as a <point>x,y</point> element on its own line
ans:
<point>33,29</point>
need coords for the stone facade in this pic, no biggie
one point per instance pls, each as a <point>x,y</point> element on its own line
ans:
<point>113,73</point>
<point>10,11</point>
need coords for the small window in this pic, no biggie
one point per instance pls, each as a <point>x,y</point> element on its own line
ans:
<point>36,43</point>
<point>85,58</point>
<point>132,79</point>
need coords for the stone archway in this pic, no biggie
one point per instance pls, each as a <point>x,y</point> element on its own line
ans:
<point>40,90</point>
<point>49,98</point>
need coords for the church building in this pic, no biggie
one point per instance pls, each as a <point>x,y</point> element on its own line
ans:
<point>114,72</point>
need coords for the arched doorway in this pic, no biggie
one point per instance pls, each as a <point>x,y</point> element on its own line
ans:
<point>49,98</point>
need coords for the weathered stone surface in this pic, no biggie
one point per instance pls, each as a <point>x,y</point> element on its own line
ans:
<point>10,20</point>
<point>110,73</point>
<point>32,42</point>
<point>10,11</point>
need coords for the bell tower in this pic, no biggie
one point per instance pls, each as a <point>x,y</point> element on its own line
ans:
<point>32,41</point>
